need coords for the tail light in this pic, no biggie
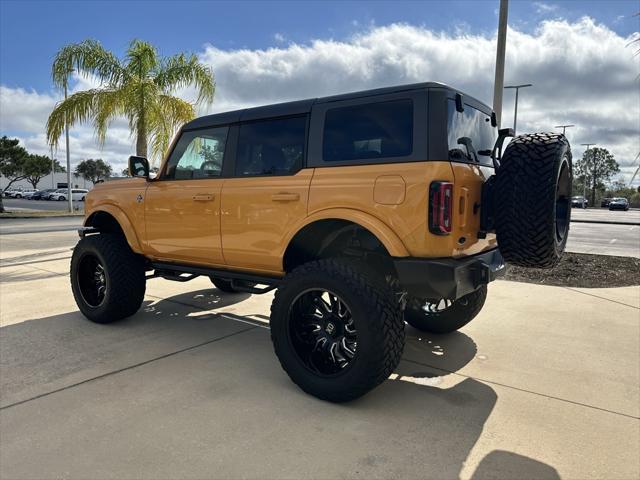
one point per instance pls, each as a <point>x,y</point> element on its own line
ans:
<point>440,207</point>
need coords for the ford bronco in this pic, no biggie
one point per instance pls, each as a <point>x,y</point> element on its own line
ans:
<point>363,210</point>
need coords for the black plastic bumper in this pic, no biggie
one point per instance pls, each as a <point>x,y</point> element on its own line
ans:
<point>449,278</point>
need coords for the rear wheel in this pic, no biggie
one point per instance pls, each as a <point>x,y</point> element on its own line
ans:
<point>533,199</point>
<point>107,278</point>
<point>444,316</point>
<point>335,330</point>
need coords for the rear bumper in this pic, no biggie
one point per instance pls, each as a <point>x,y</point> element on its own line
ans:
<point>449,278</point>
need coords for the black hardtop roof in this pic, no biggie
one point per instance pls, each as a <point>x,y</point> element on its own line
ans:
<point>300,107</point>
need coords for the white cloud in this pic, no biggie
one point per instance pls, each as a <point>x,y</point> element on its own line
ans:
<point>280,38</point>
<point>542,8</point>
<point>582,74</point>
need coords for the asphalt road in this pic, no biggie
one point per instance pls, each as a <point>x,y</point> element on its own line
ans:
<point>20,204</point>
<point>605,215</point>
<point>542,384</point>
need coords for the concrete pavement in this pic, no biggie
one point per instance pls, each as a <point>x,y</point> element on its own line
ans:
<point>543,384</point>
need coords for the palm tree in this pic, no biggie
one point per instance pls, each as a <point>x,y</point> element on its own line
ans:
<point>138,88</point>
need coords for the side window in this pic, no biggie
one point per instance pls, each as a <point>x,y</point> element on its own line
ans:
<point>198,154</point>
<point>271,147</point>
<point>373,130</point>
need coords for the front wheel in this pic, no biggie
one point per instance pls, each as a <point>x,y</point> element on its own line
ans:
<point>61,199</point>
<point>444,316</point>
<point>107,278</point>
<point>336,330</point>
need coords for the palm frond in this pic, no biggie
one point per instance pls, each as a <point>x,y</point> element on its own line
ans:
<point>108,105</point>
<point>180,71</point>
<point>142,58</point>
<point>166,116</point>
<point>78,108</point>
<point>86,58</point>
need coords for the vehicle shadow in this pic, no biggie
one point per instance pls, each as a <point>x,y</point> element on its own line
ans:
<point>502,464</point>
<point>421,420</point>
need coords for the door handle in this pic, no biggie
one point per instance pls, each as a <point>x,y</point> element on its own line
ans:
<point>202,198</point>
<point>285,197</point>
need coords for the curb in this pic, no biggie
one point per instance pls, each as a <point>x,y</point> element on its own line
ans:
<point>633,224</point>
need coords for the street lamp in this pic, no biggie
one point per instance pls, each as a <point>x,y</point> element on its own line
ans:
<point>584,180</point>
<point>515,114</point>
<point>564,127</point>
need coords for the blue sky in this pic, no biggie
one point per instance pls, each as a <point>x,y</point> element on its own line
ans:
<point>32,31</point>
<point>576,54</point>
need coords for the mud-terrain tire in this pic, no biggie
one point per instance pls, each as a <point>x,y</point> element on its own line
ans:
<point>118,277</point>
<point>226,285</point>
<point>532,200</point>
<point>445,320</point>
<point>361,302</point>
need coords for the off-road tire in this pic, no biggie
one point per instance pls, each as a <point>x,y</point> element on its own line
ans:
<point>378,321</point>
<point>226,286</point>
<point>456,316</point>
<point>124,272</point>
<point>532,225</point>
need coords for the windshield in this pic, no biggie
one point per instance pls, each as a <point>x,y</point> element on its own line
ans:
<point>470,135</point>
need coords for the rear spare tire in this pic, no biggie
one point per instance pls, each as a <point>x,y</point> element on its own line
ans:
<point>336,331</point>
<point>532,202</point>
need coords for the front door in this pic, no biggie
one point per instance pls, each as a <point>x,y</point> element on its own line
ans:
<point>182,206</point>
<point>267,193</point>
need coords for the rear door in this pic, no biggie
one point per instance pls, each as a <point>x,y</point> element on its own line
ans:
<point>267,192</point>
<point>471,136</point>
<point>182,206</point>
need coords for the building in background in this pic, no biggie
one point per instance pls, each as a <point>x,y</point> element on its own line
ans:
<point>59,180</point>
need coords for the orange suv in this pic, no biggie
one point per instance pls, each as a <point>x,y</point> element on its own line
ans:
<point>363,210</point>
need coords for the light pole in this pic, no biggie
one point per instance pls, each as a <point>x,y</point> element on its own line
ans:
<point>502,45</point>
<point>515,114</point>
<point>564,127</point>
<point>584,180</point>
<point>53,169</point>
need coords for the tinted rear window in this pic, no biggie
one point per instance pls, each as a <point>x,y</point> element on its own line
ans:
<point>271,147</point>
<point>374,130</point>
<point>474,125</point>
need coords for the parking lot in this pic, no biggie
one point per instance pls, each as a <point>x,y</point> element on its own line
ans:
<point>543,384</point>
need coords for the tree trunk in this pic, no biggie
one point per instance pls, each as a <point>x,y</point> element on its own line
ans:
<point>141,139</point>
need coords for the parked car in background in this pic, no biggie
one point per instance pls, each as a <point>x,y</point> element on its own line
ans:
<point>47,196</point>
<point>76,194</point>
<point>605,202</point>
<point>23,193</point>
<point>9,192</point>
<point>579,202</point>
<point>619,203</point>
<point>42,194</point>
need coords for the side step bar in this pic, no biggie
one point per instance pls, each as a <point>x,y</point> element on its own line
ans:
<point>239,280</point>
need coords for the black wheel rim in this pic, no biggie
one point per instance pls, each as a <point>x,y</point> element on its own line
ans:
<point>92,280</point>
<point>322,332</point>
<point>563,203</point>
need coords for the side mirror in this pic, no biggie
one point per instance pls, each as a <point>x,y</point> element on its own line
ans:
<point>138,166</point>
